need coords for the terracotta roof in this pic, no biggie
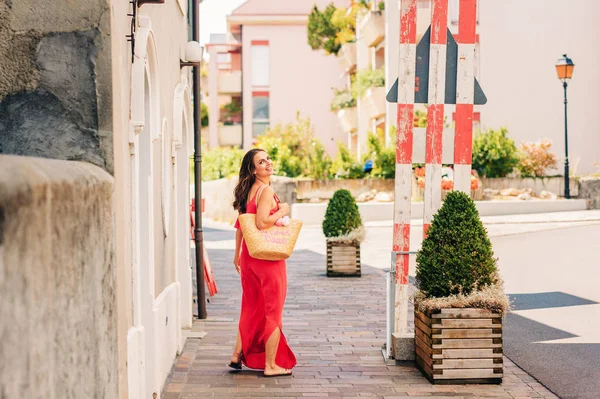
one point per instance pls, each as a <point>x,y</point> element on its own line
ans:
<point>284,7</point>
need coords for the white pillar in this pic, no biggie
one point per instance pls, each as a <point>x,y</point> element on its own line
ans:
<point>213,99</point>
<point>392,32</point>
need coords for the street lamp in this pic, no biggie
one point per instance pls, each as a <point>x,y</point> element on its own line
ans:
<point>564,70</point>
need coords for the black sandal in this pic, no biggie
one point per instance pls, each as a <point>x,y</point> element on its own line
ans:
<point>238,365</point>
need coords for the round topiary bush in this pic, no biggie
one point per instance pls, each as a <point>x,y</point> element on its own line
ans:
<point>342,215</point>
<point>456,257</point>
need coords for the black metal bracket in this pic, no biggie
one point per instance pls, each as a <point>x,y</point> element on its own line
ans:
<point>183,64</point>
<point>131,37</point>
<point>134,15</point>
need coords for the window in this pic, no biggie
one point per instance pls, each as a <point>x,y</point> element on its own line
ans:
<point>260,113</point>
<point>260,59</point>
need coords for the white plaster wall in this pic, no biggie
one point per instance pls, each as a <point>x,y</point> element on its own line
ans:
<point>520,44</point>
<point>301,80</point>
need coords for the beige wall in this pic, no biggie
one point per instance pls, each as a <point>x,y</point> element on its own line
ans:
<point>301,80</point>
<point>169,27</point>
<point>121,71</point>
<point>59,329</point>
<point>520,44</point>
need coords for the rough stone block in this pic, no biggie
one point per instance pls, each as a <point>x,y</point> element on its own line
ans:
<point>589,189</point>
<point>403,346</point>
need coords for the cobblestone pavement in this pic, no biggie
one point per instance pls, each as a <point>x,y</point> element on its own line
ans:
<point>336,327</point>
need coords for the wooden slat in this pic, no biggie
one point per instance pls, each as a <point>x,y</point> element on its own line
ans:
<point>423,327</point>
<point>423,336</point>
<point>467,313</point>
<point>467,363</point>
<point>463,323</point>
<point>475,343</point>
<point>424,347</point>
<point>426,358</point>
<point>468,373</point>
<point>343,259</point>
<point>343,263</point>
<point>423,366</point>
<point>421,316</point>
<point>465,333</point>
<point>468,354</point>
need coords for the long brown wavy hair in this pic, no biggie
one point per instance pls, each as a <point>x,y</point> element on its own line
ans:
<point>246,180</point>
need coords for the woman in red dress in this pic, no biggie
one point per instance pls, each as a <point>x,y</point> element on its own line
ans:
<point>260,341</point>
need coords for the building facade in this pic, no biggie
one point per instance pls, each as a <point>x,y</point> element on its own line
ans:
<point>517,46</point>
<point>265,66</point>
<point>100,81</point>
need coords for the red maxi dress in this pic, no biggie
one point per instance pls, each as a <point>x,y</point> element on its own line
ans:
<point>264,288</point>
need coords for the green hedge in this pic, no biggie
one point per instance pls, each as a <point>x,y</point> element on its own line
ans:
<point>456,257</point>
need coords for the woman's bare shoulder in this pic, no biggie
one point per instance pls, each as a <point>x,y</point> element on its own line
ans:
<point>266,192</point>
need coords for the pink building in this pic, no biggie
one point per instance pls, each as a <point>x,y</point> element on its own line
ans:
<point>265,66</point>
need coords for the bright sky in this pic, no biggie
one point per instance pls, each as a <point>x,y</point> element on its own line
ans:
<point>212,16</point>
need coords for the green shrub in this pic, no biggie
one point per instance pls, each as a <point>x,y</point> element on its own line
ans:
<point>295,150</point>
<point>342,215</point>
<point>383,157</point>
<point>322,33</point>
<point>494,153</point>
<point>345,165</point>
<point>365,79</point>
<point>218,163</point>
<point>342,99</point>
<point>456,257</point>
<point>203,115</point>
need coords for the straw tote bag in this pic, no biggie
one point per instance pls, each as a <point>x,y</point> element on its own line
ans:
<point>274,243</point>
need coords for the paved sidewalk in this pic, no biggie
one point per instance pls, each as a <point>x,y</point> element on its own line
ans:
<point>336,327</point>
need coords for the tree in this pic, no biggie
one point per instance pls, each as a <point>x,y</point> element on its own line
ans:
<point>456,257</point>
<point>322,33</point>
<point>342,215</point>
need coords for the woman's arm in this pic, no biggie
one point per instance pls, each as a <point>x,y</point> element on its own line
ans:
<point>265,203</point>
<point>238,246</point>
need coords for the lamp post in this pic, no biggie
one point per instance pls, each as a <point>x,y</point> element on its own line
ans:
<point>564,70</point>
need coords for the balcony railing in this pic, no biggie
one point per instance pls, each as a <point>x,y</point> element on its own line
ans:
<point>230,82</point>
<point>375,99</point>
<point>348,118</point>
<point>230,135</point>
<point>373,28</point>
<point>347,56</point>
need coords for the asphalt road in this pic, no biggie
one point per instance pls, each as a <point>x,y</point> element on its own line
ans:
<point>554,332</point>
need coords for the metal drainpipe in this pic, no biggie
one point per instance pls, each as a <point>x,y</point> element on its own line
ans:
<point>201,290</point>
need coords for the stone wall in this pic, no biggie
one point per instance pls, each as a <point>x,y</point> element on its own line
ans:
<point>58,335</point>
<point>218,195</point>
<point>55,84</point>
<point>589,189</point>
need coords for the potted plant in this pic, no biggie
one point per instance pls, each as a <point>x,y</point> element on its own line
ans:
<point>460,300</point>
<point>344,231</point>
<point>344,104</point>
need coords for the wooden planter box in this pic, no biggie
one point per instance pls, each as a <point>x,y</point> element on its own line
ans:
<point>459,346</point>
<point>343,260</point>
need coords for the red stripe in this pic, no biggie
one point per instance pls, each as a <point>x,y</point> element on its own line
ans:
<point>439,21</point>
<point>404,135</point>
<point>463,138</point>
<point>408,21</point>
<point>467,18</point>
<point>259,42</point>
<point>401,237</point>
<point>435,129</point>
<point>425,229</point>
<point>260,94</point>
<point>402,244</point>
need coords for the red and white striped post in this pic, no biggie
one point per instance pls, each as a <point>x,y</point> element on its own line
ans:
<point>404,153</point>
<point>465,89</point>
<point>435,112</point>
